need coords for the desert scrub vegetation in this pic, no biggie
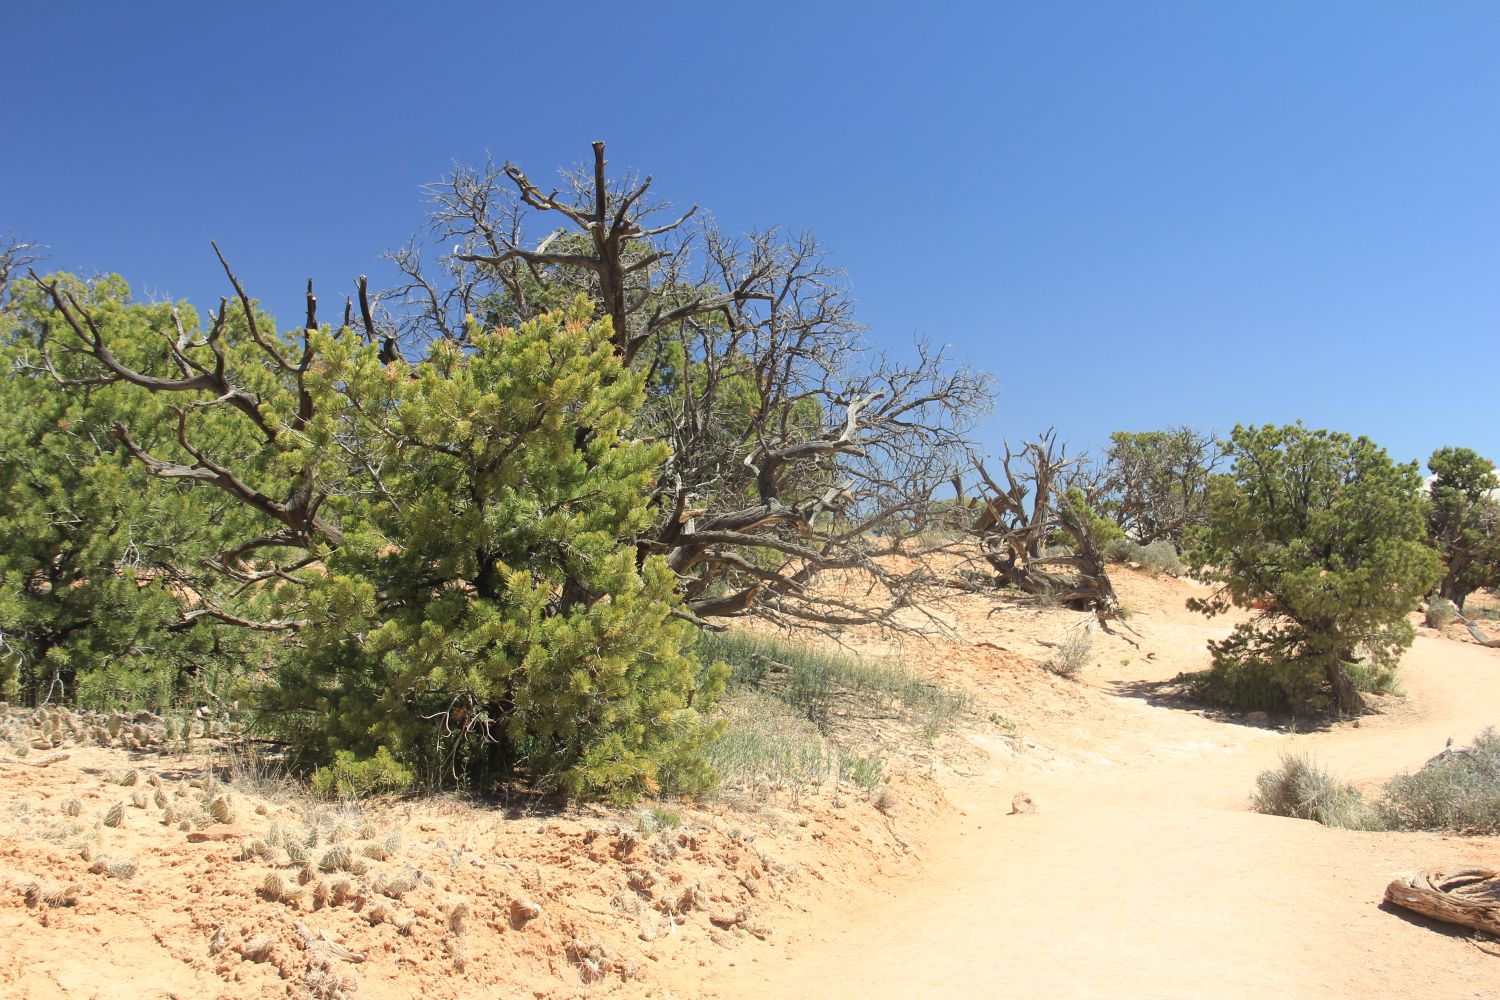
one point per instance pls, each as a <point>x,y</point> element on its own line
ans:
<point>1441,612</point>
<point>1299,788</point>
<point>811,681</point>
<point>1458,791</point>
<point>789,705</point>
<point>1071,655</point>
<point>765,746</point>
<point>1158,558</point>
<point>477,540</point>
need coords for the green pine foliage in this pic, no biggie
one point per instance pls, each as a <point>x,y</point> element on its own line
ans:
<point>487,612</point>
<point>1328,532</point>
<point>95,559</point>
<point>1463,520</point>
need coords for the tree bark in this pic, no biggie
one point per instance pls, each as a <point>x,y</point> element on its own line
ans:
<point>1345,695</point>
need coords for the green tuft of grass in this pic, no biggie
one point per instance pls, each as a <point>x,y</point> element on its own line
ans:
<point>767,746</point>
<point>813,681</point>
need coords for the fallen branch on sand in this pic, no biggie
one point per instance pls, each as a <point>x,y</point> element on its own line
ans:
<point>1479,636</point>
<point>1467,896</point>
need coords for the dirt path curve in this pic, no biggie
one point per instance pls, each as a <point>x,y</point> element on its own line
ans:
<point>1145,874</point>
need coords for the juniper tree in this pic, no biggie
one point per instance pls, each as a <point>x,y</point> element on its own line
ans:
<point>1324,532</point>
<point>1463,521</point>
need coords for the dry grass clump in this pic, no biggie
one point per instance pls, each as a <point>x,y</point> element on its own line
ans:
<point>1301,789</point>
<point>1072,654</point>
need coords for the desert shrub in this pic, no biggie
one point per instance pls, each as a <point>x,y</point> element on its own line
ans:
<point>765,745</point>
<point>1157,558</point>
<point>1441,612</point>
<point>1072,654</point>
<point>1301,789</point>
<point>812,680</point>
<point>350,777</point>
<point>1459,790</point>
<point>1161,557</point>
<point>864,770</point>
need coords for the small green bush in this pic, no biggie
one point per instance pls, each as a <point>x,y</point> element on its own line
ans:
<point>1459,790</point>
<point>349,777</point>
<point>1441,612</point>
<point>1302,790</point>
<point>864,770</point>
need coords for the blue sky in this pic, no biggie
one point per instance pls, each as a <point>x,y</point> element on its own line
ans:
<point>1132,214</point>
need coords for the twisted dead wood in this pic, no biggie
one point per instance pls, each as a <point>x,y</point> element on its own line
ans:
<point>1467,896</point>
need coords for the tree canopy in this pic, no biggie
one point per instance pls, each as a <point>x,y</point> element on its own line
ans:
<point>1325,534</point>
<point>1463,520</point>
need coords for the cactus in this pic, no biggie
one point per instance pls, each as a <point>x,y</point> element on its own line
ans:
<point>160,798</point>
<point>457,914</point>
<point>397,885</point>
<point>335,859</point>
<point>295,853</point>
<point>116,815</point>
<point>306,874</point>
<point>139,800</point>
<point>122,869</point>
<point>169,816</point>
<point>130,777</point>
<point>319,894</point>
<point>375,852</point>
<point>221,810</point>
<point>341,891</point>
<point>342,831</point>
<point>276,890</point>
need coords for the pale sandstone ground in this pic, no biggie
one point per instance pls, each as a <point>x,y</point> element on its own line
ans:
<point>1143,872</point>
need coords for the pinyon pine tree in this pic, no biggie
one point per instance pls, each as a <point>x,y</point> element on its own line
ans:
<point>448,543</point>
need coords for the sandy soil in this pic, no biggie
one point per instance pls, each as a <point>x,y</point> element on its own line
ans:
<point>1143,872</point>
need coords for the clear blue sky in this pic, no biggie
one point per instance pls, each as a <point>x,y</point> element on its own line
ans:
<point>1132,214</point>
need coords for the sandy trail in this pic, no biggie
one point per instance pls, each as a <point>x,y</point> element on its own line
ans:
<point>1144,873</point>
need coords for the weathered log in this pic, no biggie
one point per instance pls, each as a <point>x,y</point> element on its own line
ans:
<point>1467,896</point>
<point>1479,636</point>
